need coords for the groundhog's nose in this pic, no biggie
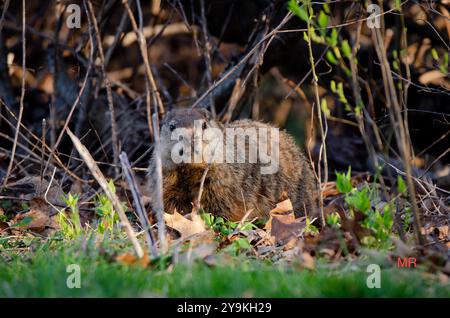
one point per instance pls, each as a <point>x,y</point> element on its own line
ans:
<point>181,152</point>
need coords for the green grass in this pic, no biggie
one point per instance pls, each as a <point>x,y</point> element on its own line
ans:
<point>42,273</point>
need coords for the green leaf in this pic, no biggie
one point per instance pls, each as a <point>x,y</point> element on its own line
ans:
<point>331,58</point>
<point>323,20</point>
<point>395,65</point>
<point>324,107</point>
<point>333,219</point>
<point>332,40</point>
<point>243,243</point>
<point>343,181</point>
<point>337,52</point>
<point>298,11</point>
<point>388,219</point>
<point>401,186</point>
<point>346,50</point>
<point>434,54</point>
<point>333,86</point>
<point>359,200</point>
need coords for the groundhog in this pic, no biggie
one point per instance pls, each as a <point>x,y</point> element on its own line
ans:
<point>235,182</point>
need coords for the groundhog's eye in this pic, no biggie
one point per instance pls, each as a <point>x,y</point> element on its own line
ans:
<point>172,126</point>
<point>204,126</point>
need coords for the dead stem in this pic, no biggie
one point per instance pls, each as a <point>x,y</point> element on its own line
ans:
<point>22,94</point>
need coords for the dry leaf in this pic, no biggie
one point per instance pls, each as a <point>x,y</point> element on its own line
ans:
<point>198,252</point>
<point>431,77</point>
<point>183,225</point>
<point>131,259</point>
<point>307,261</point>
<point>443,232</point>
<point>300,258</point>
<point>36,219</point>
<point>282,224</point>
<point>283,211</point>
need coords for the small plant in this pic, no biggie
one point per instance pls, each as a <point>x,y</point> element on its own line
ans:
<point>104,209</point>
<point>381,225</point>
<point>222,226</point>
<point>238,246</point>
<point>360,200</point>
<point>309,228</point>
<point>407,219</point>
<point>343,181</point>
<point>70,222</point>
<point>442,64</point>
<point>401,187</point>
<point>333,220</point>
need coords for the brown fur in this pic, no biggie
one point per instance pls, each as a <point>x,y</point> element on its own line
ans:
<point>232,189</point>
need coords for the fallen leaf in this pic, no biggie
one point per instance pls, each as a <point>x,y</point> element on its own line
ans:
<point>205,237</point>
<point>131,259</point>
<point>199,252</point>
<point>307,261</point>
<point>282,224</point>
<point>186,227</point>
<point>443,232</point>
<point>431,77</point>
<point>282,232</point>
<point>283,211</point>
<point>36,219</point>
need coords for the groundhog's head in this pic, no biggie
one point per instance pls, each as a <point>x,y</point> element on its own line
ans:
<point>189,136</point>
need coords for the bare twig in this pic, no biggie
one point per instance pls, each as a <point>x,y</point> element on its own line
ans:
<point>41,174</point>
<point>22,94</point>
<point>322,124</point>
<point>158,205</point>
<point>107,82</point>
<point>398,125</point>
<point>207,56</point>
<point>143,49</point>
<point>197,205</point>
<point>2,19</point>
<point>126,168</point>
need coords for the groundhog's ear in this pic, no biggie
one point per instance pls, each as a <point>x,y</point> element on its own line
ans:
<point>205,113</point>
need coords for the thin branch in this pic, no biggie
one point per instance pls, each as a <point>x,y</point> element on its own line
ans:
<point>22,94</point>
<point>137,198</point>
<point>107,82</point>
